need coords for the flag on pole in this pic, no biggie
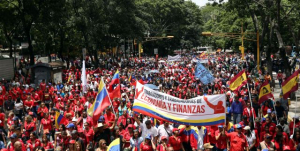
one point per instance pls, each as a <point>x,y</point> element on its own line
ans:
<point>102,101</point>
<point>116,93</point>
<point>238,81</point>
<point>69,78</point>
<point>290,84</point>
<point>265,92</point>
<point>116,78</point>
<point>114,145</point>
<point>59,119</point>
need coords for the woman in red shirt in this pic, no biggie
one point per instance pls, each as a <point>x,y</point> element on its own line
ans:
<point>278,141</point>
<point>89,132</point>
<point>163,144</point>
<point>147,145</point>
<point>29,126</point>
<point>175,140</point>
<point>33,142</point>
<point>295,141</point>
<point>46,143</point>
<point>264,108</point>
<point>47,125</point>
<point>42,110</point>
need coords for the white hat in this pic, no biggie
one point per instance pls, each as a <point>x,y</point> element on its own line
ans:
<point>100,125</point>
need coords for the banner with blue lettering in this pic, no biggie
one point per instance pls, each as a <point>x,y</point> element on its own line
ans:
<point>203,74</point>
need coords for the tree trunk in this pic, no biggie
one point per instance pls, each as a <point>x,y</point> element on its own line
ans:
<point>30,47</point>
<point>61,49</point>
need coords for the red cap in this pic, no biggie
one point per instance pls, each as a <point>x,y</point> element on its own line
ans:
<point>163,137</point>
<point>130,125</point>
<point>174,129</point>
<point>286,148</point>
<point>72,142</point>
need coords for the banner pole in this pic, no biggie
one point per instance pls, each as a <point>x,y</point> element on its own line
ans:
<point>295,116</point>
<point>251,104</point>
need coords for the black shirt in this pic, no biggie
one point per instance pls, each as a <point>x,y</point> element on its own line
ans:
<point>9,105</point>
<point>104,135</point>
<point>279,111</point>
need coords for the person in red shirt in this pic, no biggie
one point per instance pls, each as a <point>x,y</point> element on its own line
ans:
<point>147,145</point>
<point>69,110</point>
<point>29,126</point>
<point>83,119</point>
<point>297,124</point>
<point>271,125</point>
<point>285,137</point>
<point>249,112</point>
<point>175,140</point>
<point>238,141</point>
<point>163,144</point>
<point>33,142</point>
<point>221,138</point>
<point>43,85</point>
<point>78,108</point>
<point>46,143</point>
<point>293,143</point>
<point>89,132</point>
<point>42,110</point>
<point>109,117</point>
<point>47,125</point>
<point>211,131</point>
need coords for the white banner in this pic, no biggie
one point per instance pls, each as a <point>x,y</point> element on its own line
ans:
<point>174,58</point>
<point>199,111</point>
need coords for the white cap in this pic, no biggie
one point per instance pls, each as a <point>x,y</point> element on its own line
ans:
<point>74,119</point>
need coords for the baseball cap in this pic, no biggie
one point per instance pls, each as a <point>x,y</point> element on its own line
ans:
<point>286,148</point>
<point>15,118</point>
<point>148,136</point>
<point>220,126</point>
<point>71,125</point>
<point>207,146</point>
<point>14,135</point>
<point>72,142</point>
<point>163,137</point>
<point>174,129</point>
<point>247,128</point>
<point>238,126</point>
<point>100,125</point>
<point>268,136</point>
<point>101,119</point>
<point>74,119</point>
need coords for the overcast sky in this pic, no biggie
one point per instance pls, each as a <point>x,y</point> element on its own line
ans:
<point>202,2</point>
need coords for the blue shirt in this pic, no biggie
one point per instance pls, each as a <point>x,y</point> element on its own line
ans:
<point>236,107</point>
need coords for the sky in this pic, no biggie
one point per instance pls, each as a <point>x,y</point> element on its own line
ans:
<point>202,2</point>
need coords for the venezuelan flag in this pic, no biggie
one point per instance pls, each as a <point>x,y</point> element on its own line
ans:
<point>114,145</point>
<point>59,119</point>
<point>129,79</point>
<point>69,78</point>
<point>290,84</point>
<point>238,81</point>
<point>265,92</point>
<point>116,78</point>
<point>102,101</point>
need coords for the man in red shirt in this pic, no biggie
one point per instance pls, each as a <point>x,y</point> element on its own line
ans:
<point>109,116</point>
<point>221,138</point>
<point>271,125</point>
<point>238,141</point>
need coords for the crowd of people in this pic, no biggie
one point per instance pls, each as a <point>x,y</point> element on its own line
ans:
<point>28,114</point>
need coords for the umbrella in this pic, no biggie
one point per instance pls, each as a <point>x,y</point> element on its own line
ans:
<point>151,86</point>
<point>154,71</point>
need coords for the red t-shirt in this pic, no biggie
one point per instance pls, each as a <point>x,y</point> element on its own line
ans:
<point>1,100</point>
<point>89,135</point>
<point>222,141</point>
<point>109,118</point>
<point>237,142</point>
<point>27,127</point>
<point>47,124</point>
<point>145,147</point>
<point>34,144</point>
<point>175,142</point>
<point>48,145</point>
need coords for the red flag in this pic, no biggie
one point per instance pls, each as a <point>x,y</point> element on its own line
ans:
<point>116,93</point>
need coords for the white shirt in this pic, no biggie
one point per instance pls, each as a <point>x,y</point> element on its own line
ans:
<point>162,131</point>
<point>250,138</point>
<point>18,106</point>
<point>200,137</point>
<point>145,131</point>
